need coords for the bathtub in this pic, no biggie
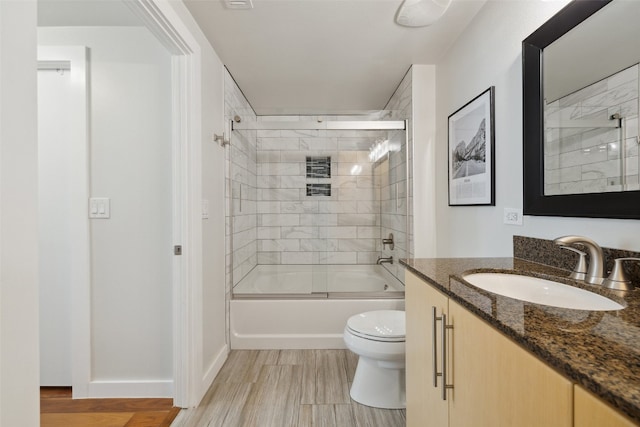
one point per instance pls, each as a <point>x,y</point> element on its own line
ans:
<point>304,306</point>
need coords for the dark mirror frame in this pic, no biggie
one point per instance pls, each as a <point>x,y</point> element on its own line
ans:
<point>595,205</point>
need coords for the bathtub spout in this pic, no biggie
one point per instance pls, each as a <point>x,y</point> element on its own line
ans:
<point>384,260</point>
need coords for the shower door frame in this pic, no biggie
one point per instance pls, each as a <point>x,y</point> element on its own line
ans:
<point>365,125</point>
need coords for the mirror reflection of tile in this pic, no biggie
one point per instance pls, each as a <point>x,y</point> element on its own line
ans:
<point>591,138</point>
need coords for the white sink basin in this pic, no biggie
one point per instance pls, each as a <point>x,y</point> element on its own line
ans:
<point>541,291</point>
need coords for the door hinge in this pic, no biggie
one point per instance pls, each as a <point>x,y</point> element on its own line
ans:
<point>177,250</point>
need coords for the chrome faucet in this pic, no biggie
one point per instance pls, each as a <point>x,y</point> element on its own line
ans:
<point>595,272</point>
<point>384,260</point>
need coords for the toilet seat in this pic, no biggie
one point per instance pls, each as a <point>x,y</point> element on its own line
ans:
<point>380,325</point>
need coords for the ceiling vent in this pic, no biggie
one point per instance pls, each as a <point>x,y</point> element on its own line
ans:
<point>421,13</point>
<point>238,4</point>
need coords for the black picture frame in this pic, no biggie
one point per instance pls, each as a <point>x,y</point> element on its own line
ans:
<point>624,205</point>
<point>471,146</point>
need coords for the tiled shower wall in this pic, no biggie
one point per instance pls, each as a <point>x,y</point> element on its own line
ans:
<point>296,228</point>
<point>588,160</point>
<point>241,234</point>
<point>395,200</point>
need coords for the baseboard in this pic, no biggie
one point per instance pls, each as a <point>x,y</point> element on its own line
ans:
<point>212,371</point>
<point>130,389</point>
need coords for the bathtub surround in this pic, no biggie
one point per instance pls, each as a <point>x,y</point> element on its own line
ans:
<point>240,172</point>
<point>342,227</point>
<point>279,214</point>
<point>396,195</point>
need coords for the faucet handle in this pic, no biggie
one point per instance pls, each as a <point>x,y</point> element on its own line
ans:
<point>618,279</point>
<point>388,241</point>
<point>580,270</point>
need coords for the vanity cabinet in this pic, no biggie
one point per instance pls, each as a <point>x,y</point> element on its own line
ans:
<point>424,401</point>
<point>495,382</point>
<point>589,411</point>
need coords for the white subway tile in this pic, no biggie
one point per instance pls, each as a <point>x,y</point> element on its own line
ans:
<point>297,258</point>
<point>270,233</point>
<point>272,220</point>
<point>299,207</point>
<point>344,206</point>
<point>338,232</point>
<point>278,245</point>
<point>269,258</point>
<point>299,232</point>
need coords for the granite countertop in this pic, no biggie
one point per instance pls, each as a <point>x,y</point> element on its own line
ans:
<point>599,350</point>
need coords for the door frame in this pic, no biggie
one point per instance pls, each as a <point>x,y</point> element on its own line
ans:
<point>164,22</point>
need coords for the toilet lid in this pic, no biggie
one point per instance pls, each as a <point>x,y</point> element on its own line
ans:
<point>381,325</point>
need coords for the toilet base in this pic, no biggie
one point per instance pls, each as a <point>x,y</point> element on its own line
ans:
<point>379,387</point>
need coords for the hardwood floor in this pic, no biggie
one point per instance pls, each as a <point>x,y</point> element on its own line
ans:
<point>280,388</point>
<point>57,409</point>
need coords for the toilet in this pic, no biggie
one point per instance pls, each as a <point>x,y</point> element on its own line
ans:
<point>378,337</point>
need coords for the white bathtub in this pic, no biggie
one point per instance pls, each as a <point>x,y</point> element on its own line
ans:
<point>277,307</point>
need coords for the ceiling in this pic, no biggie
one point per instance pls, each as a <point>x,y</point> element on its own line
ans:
<point>86,13</point>
<point>300,56</point>
<point>323,56</point>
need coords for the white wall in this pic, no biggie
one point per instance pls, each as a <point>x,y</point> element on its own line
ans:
<point>19,372</point>
<point>424,161</point>
<point>130,162</point>
<point>488,53</point>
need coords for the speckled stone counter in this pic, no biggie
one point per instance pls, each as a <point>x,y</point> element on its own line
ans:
<point>599,350</point>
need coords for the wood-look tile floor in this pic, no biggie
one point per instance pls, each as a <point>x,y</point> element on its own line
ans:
<point>57,409</point>
<point>282,388</point>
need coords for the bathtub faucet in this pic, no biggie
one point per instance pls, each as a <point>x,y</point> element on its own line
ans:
<point>383,260</point>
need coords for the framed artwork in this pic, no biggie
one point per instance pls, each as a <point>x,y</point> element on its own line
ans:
<point>471,144</point>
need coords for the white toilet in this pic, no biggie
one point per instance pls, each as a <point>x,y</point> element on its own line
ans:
<point>377,337</point>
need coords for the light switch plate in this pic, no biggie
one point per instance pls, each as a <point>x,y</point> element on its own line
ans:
<point>99,208</point>
<point>513,216</point>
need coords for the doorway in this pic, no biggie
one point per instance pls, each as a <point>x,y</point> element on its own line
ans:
<point>119,319</point>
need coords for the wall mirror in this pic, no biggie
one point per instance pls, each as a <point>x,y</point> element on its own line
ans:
<point>580,106</point>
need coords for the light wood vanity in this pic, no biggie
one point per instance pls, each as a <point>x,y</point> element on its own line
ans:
<point>494,380</point>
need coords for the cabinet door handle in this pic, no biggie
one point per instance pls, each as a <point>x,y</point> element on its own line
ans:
<point>445,386</point>
<point>434,346</point>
